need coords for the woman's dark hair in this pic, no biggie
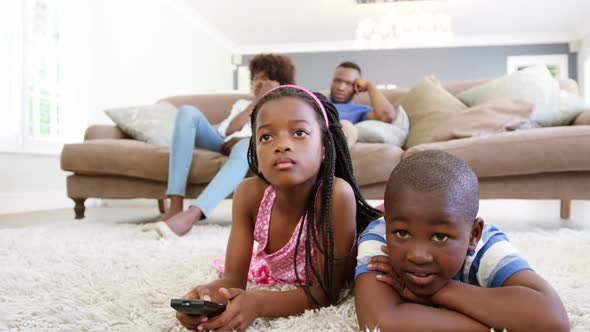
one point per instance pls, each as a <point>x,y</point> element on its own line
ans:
<point>337,162</point>
<point>278,68</point>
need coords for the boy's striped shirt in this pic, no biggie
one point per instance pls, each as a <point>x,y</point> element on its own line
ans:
<point>494,260</point>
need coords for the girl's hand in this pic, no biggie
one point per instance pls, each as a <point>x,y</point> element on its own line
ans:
<point>191,322</point>
<point>239,313</point>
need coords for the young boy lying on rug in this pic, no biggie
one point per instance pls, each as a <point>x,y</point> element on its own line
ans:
<point>303,209</point>
<point>441,256</point>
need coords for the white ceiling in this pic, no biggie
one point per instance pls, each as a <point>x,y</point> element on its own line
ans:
<point>253,26</point>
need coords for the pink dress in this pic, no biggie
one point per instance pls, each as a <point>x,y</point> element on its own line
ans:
<point>276,268</point>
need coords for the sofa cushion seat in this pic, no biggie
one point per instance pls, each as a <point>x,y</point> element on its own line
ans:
<point>533,151</point>
<point>126,157</point>
<point>373,162</point>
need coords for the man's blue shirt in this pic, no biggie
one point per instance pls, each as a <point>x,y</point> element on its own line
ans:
<point>352,112</point>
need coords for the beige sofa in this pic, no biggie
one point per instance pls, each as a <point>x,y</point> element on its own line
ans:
<point>544,163</point>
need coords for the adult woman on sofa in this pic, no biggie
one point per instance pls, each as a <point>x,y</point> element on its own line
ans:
<point>192,129</point>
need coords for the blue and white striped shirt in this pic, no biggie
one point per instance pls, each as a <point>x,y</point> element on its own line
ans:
<point>494,260</point>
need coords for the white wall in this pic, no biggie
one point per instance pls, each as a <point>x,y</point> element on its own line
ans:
<point>584,67</point>
<point>31,182</point>
<point>141,51</point>
<point>151,49</point>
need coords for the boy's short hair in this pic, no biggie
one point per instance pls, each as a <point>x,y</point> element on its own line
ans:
<point>278,68</point>
<point>351,65</point>
<point>440,171</point>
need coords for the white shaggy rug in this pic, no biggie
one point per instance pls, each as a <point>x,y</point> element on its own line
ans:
<point>85,276</point>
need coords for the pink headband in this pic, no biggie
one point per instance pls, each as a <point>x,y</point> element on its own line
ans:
<point>311,94</point>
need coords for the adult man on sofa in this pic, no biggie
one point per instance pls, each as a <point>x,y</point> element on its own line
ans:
<point>346,83</point>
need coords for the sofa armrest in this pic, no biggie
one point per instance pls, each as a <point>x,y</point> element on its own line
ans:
<point>583,119</point>
<point>104,131</point>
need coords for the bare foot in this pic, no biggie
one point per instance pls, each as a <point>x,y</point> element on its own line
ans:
<point>182,222</point>
<point>169,214</point>
<point>176,206</point>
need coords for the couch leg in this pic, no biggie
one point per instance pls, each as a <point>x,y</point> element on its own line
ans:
<point>162,205</point>
<point>565,208</point>
<point>79,208</point>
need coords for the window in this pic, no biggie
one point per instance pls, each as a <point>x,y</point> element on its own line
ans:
<point>244,83</point>
<point>43,89</point>
<point>47,83</point>
<point>557,64</point>
<point>11,72</point>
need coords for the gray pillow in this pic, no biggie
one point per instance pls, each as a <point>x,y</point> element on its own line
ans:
<point>373,131</point>
<point>149,123</point>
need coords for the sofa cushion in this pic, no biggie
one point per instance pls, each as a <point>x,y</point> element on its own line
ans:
<point>153,124</point>
<point>456,88</point>
<point>125,157</point>
<point>534,84</point>
<point>374,131</point>
<point>426,104</point>
<point>491,117</point>
<point>534,151</point>
<point>350,132</point>
<point>373,162</point>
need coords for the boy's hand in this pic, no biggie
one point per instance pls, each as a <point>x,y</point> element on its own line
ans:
<point>238,315</point>
<point>192,321</point>
<point>404,292</point>
<point>381,264</point>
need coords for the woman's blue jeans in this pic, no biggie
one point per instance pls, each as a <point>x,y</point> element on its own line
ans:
<point>192,129</point>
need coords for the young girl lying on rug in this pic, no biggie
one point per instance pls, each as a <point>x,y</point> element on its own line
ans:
<point>442,256</point>
<point>303,211</point>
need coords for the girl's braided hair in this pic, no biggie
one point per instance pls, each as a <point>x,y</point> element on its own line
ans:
<point>337,162</point>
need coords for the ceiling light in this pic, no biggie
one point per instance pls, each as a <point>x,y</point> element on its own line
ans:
<point>392,30</point>
<point>365,2</point>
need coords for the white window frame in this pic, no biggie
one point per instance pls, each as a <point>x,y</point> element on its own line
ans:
<point>34,84</point>
<point>513,63</point>
<point>73,58</point>
<point>12,62</point>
